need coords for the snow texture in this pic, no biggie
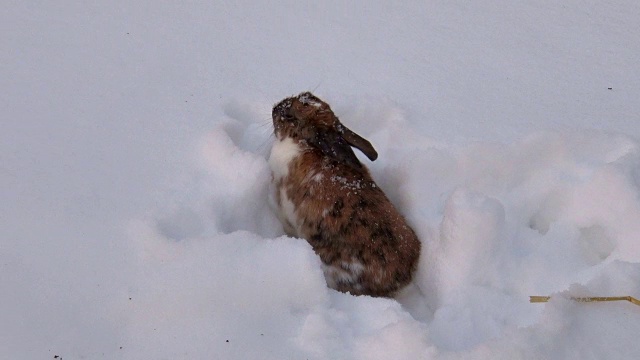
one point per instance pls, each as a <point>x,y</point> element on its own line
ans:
<point>135,216</point>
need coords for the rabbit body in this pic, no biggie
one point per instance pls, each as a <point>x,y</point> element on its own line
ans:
<point>324,195</point>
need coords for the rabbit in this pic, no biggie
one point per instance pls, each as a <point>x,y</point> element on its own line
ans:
<point>324,194</point>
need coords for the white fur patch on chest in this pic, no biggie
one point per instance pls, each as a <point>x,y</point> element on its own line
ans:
<point>287,215</point>
<point>282,152</point>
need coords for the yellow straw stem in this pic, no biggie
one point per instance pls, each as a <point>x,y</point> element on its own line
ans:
<point>542,299</point>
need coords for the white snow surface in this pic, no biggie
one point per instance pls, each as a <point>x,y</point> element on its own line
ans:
<point>134,213</point>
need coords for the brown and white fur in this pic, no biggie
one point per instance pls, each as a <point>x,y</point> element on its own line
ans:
<point>326,196</point>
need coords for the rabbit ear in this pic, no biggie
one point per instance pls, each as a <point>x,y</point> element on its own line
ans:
<point>336,143</point>
<point>359,142</point>
<point>332,144</point>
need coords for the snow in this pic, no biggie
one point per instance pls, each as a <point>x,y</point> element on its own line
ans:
<point>135,220</point>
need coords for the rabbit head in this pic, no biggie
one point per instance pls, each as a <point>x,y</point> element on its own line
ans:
<point>308,119</point>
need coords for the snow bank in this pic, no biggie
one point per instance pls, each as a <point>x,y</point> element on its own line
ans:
<point>549,214</point>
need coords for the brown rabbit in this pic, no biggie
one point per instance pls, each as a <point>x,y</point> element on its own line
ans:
<point>326,196</point>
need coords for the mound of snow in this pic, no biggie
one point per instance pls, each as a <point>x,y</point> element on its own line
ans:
<point>551,213</point>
